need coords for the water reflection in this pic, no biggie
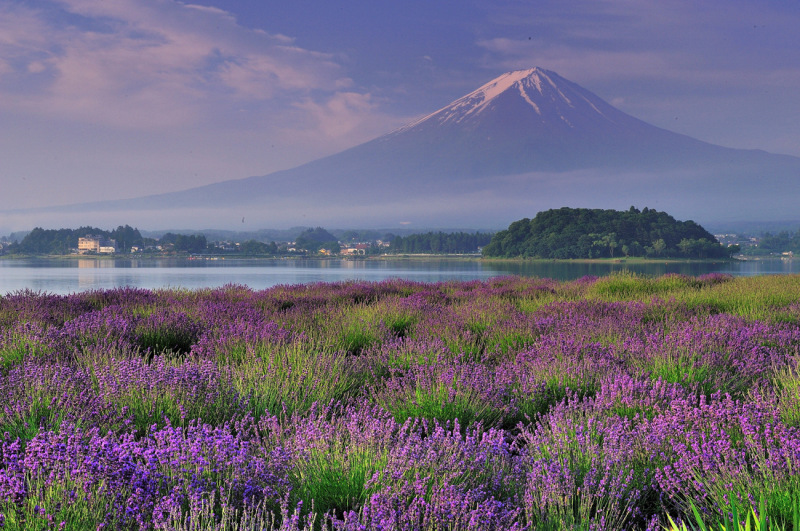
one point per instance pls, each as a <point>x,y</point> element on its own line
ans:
<point>67,276</point>
<point>573,270</point>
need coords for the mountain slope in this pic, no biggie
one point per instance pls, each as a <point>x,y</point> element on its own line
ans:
<point>526,141</point>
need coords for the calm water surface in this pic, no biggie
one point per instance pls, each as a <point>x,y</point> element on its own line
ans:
<point>73,275</point>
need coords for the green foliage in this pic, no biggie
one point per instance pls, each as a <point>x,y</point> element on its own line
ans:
<point>255,247</point>
<point>734,519</point>
<point>126,237</point>
<point>17,347</point>
<point>716,491</point>
<point>683,367</point>
<point>349,331</point>
<point>787,387</point>
<point>753,298</point>
<point>193,243</point>
<point>399,324</point>
<point>42,412</point>
<point>206,513</point>
<point>67,501</point>
<point>441,393</point>
<point>60,241</point>
<point>291,378</point>
<point>781,242</point>
<point>162,402</point>
<point>333,477</point>
<point>593,233</point>
<point>312,240</point>
<point>440,243</point>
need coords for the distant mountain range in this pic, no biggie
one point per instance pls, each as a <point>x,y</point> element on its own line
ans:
<point>527,141</point>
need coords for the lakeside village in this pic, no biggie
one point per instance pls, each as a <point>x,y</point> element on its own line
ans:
<point>316,242</point>
<point>198,247</point>
<point>555,234</point>
<point>98,246</point>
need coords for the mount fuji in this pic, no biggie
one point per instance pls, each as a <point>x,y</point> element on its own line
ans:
<point>526,141</point>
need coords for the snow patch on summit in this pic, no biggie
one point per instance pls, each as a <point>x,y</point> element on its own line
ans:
<point>478,100</point>
<point>501,84</point>
<point>528,99</point>
<point>544,91</point>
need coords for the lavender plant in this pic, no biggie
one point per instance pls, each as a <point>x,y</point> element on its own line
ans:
<point>512,403</point>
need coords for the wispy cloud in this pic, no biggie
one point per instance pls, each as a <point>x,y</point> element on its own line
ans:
<point>138,64</point>
<point>635,39</point>
<point>340,121</point>
<point>120,98</point>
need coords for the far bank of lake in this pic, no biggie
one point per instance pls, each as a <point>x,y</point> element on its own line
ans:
<point>69,275</point>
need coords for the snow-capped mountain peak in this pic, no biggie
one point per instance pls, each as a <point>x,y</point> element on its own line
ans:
<point>525,141</point>
<point>545,93</point>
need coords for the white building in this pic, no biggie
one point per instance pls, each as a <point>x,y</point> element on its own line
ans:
<point>96,244</point>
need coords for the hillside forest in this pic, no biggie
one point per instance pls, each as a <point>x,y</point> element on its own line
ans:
<point>593,233</point>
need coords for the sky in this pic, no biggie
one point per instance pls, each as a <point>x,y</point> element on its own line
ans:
<point>106,99</point>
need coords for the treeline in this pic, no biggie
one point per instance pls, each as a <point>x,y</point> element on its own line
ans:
<point>593,233</point>
<point>188,243</point>
<point>255,247</point>
<point>61,241</point>
<point>440,243</point>
<point>781,242</point>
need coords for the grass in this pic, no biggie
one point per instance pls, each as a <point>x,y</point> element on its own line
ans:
<point>629,286</point>
<point>17,346</point>
<point>734,518</point>
<point>444,392</point>
<point>787,386</point>
<point>334,477</point>
<point>292,378</point>
<point>751,297</point>
<point>66,502</point>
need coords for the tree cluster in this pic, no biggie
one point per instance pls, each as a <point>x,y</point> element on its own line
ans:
<point>594,233</point>
<point>782,242</point>
<point>61,241</point>
<point>440,243</point>
<point>191,243</point>
<point>359,235</point>
<point>314,240</point>
<point>255,247</point>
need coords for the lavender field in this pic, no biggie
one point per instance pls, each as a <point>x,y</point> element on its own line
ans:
<point>515,403</point>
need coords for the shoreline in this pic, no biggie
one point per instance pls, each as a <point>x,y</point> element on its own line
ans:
<point>399,257</point>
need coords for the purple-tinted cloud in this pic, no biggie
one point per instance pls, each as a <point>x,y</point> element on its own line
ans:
<point>155,64</point>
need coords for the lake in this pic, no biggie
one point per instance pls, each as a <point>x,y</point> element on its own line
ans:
<point>63,276</point>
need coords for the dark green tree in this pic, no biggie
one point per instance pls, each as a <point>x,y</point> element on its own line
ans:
<point>192,243</point>
<point>255,247</point>
<point>127,237</point>
<point>440,243</point>
<point>595,233</point>
<point>312,240</point>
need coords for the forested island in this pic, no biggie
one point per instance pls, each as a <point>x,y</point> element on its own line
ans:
<point>570,233</point>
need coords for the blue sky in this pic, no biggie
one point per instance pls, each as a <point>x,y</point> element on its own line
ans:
<point>122,98</point>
